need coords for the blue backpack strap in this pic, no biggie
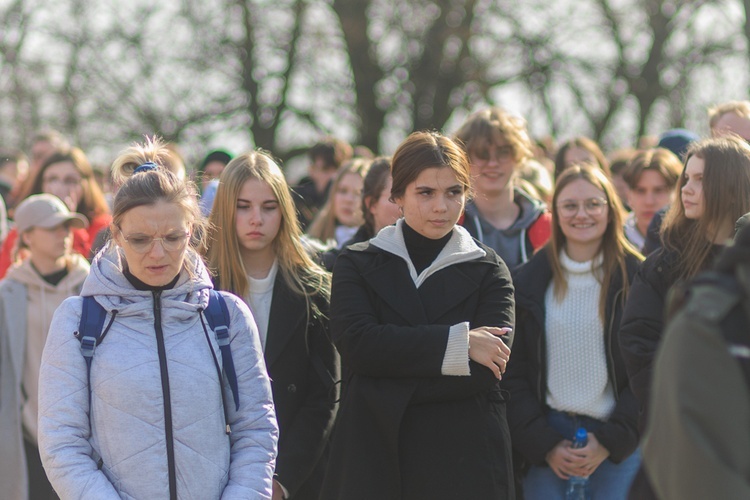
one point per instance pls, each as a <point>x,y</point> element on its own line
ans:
<point>90,329</point>
<point>217,315</point>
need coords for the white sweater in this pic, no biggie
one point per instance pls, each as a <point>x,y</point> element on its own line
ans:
<point>259,297</point>
<point>577,378</point>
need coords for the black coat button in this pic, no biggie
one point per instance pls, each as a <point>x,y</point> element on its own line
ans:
<point>291,388</point>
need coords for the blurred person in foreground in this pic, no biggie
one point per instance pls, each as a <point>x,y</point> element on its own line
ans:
<point>697,444</point>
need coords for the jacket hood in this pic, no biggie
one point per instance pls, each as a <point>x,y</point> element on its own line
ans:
<point>531,210</point>
<point>460,248</point>
<point>78,269</point>
<point>113,291</point>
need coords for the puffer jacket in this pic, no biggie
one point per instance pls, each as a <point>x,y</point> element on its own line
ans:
<point>153,376</point>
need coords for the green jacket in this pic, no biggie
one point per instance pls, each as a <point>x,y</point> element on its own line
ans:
<point>697,445</point>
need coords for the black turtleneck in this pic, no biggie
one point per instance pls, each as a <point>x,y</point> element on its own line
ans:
<point>52,278</point>
<point>140,285</point>
<point>422,250</point>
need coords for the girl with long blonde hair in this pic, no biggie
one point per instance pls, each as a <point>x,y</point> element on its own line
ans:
<point>255,251</point>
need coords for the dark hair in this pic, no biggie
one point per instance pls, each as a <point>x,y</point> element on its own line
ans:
<point>659,160</point>
<point>423,150</point>
<point>726,195</point>
<point>583,143</point>
<point>374,183</point>
<point>620,159</point>
<point>218,155</point>
<point>334,152</point>
<point>92,202</point>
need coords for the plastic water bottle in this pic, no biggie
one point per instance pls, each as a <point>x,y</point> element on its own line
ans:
<point>578,487</point>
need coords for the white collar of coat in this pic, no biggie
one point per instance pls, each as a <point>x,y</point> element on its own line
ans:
<point>460,248</point>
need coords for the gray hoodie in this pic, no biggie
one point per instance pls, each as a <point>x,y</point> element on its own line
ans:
<point>125,424</point>
<point>511,244</point>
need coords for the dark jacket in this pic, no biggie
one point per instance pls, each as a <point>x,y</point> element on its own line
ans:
<point>526,376</point>
<point>643,323</point>
<point>653,239</point>
<point>304,367</point>
<point>640,335</point>
<point>308,201</point>
<point>405,431</point>
<point>698,442</point>
<point>328,258</point>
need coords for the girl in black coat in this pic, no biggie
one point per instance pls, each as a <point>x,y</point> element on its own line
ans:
<point>255,251</point>
<point>421,315</point>
<point>566,371</point>
<point>714,191</point>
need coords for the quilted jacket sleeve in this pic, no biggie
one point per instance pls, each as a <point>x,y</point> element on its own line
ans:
<point>254,429</point>
<point>64,426</point>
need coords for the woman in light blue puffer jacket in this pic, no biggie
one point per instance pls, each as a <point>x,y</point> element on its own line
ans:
<point>153,422</point>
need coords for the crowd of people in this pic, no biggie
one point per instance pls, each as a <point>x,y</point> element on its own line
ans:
<point>440,323</point>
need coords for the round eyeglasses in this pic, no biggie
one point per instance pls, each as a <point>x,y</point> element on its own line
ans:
<point>592,206</point>
<point>141,243</point>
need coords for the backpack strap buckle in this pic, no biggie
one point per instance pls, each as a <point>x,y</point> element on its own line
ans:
<point>222,335</point>
<point>88,345</point>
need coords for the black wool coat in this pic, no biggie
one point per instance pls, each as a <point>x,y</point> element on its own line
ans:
<point>643,324</point>
<point>304,368</point>
<point>526,376</point>
<point>405,431</point>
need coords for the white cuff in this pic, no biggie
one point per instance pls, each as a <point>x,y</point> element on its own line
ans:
<point>456,360</point>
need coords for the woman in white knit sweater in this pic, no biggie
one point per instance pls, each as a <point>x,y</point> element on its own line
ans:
<point>566,371</point>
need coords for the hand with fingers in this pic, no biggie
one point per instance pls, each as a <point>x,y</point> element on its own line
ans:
<point>590,457</point>
<point>563,461</point>
<point>566,461</point>
<point>487,348</point>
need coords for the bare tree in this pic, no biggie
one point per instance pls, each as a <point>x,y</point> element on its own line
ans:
<point>20,89</point>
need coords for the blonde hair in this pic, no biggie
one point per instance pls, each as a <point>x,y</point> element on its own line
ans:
<point>323,227</point>
<point>299,271</point>
<point>151,186</point>
<point>739,108</point>
<point>615,247</point>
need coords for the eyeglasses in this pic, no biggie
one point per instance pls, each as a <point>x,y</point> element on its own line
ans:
<point>501,153</point>
<point>140,243</point>
<point>592,206</point>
